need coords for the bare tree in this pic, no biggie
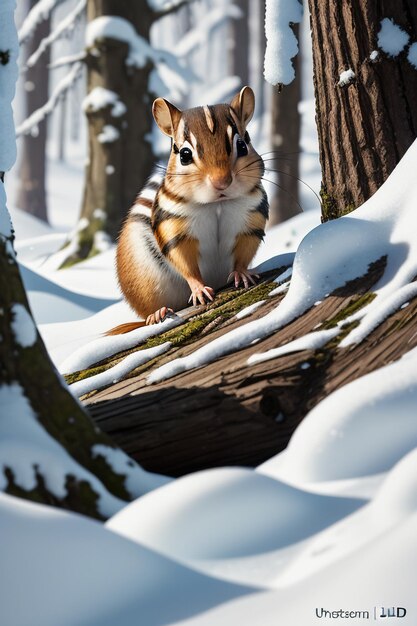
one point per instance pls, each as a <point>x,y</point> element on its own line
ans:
<point>285,140</point>
<point>366,95</point>
<point>31,193</point>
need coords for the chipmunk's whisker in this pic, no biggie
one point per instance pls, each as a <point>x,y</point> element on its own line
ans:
<point>279,187</point>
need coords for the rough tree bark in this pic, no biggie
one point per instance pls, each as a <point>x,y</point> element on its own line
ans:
<point>31,193</point>
<point>366,125</point>
<point>285,141</point>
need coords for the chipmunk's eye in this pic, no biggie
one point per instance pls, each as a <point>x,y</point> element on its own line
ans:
<point>186,156</point>
<point>241,148</point>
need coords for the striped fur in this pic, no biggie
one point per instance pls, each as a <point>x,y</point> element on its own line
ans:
<point>184,229</point>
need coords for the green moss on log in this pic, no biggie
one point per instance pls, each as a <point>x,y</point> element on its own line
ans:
<point>225,306</point>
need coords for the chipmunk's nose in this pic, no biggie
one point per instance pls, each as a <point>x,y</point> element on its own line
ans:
<point>221,181</point>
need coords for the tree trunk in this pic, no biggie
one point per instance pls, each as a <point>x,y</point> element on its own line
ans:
<point>118,167</point>
<point>366,124</point>
<point>31,194</point>
<point>58,412</point>
<point>240,42</point>
<point>286,126</point>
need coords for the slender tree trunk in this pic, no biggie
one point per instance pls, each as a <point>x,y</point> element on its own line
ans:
<point>286,126</point>
<point>365,124</point>
<point>239,52</point>
<point>120,163</point>
<point>62,128</point>
<point>31,194</point>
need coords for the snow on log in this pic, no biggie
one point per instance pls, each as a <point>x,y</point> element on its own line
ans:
<point>65,27</point>
<point>282,43</point>
<point>64,85</point>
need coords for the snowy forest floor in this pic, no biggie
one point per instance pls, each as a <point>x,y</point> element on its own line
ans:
<point>331,355</point>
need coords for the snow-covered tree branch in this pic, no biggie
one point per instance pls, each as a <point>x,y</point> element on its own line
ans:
<point>66,26</point>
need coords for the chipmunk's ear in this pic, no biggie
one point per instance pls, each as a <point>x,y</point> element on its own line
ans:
<point>243,104</point>
<point>166,115</point>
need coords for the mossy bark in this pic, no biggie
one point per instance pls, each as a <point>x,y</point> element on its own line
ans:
<point>56,409</point>
<point>118,168</point>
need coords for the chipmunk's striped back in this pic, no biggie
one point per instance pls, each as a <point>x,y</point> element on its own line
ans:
<point>204,219</point>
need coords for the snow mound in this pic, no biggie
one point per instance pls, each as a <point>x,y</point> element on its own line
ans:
<point>46,297</point>
<point>361,429</point>
<point>71,570</point>
<point>229,515</point>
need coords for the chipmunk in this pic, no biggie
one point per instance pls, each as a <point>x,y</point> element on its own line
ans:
<point>199,226</point>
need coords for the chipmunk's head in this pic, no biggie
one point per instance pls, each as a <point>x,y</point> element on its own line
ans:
<point>212,158</point>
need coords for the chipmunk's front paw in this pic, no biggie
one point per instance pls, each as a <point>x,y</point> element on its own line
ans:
<point>158,316</point>
<point>201,294</point>
<point>247,277</point>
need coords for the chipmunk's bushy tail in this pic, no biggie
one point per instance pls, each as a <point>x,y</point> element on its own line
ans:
<point>124,328</point>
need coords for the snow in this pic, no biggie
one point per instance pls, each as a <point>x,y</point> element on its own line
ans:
<point>233,523</point>
<point>108,134</point>
<point>8,77</point>
<point>104,347</point>
<point>282,44</point>
<point>361,429</point>
<point>346,77</point>
<point>71,570</point>
<point>374,56</point>
<point>375,314</point>
<point>39,12</point>
<point>412,55</point>
<point>249,309</point>
<point>311,341</point>
<point>100,98</point>
<point>23,328</point>
<point>329,522</point>
<point>160,6</point>
<point>392,39</point>
<point>112,27</point>
<point>102,241</point>
<point>137,481</point>
<point>119,371</point>
<point>5,222</point>
<point>27,449</point>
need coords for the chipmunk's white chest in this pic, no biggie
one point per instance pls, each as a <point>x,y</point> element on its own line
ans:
<point>216,227</point>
